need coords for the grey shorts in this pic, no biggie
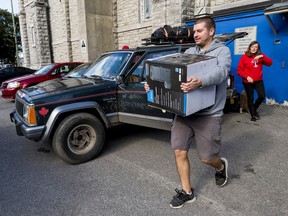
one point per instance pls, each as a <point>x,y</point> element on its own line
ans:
<point>205,130</point>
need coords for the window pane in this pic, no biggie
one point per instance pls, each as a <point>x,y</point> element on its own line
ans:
<point>147,9</point>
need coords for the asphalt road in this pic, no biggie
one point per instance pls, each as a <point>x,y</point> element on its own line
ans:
<point>135,173</point>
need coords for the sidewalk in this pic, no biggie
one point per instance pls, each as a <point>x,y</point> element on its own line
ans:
<point>257,154</point>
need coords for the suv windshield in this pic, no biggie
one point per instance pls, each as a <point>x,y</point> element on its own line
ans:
<point>44,70</point>
<point>78,71</point>
<point>108,66</point>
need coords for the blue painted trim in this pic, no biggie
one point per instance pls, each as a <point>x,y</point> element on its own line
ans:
<point>234,16</point>
<point>240,16</point>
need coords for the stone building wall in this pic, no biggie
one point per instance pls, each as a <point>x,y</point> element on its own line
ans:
<point>75,19</point>
<point>30,29</point>
<point>66,26</point>
<point>132,27</point>
<point>60,30</point>
<point>61,26</point>
<point>115,24</point>
<point>25,38</point>
<point>41,27</point>
<point>54,30</point>
<point>34,33</point>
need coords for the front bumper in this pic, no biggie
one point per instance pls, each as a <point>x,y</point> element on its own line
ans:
<point>30,132</point>
<point>8,93</point>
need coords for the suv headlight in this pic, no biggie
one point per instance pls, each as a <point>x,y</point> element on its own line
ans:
<point>12,85</point>
<point>29,114</point>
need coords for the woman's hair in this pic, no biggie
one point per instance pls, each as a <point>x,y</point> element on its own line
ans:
<point>251,44</point>
<point>209,22</point>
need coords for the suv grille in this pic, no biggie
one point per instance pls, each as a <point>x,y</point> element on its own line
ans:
<point>19,107</point>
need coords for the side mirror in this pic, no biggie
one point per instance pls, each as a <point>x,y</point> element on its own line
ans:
<point>119,80</point>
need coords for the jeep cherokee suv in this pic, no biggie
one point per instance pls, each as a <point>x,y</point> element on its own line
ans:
<point>75,112</point>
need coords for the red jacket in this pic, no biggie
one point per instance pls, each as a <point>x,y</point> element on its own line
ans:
<point>247,67</point>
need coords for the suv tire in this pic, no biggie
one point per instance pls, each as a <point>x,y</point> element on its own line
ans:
<point>79,138</point>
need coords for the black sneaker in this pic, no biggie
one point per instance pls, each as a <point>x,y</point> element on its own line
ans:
<point>181,198</point>
<point>257,116</point>
<point>221,177</point>
<point>253,118</point>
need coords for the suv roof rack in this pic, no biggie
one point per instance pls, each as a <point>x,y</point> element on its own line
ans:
<point>149,41</point>
<point>226,37</point>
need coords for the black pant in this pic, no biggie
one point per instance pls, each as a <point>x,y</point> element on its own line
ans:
<point>249,88</point>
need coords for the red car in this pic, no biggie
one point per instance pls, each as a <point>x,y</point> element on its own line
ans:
<point>52,71</point>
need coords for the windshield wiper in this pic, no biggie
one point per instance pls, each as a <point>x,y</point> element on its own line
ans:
<point>93,76</point>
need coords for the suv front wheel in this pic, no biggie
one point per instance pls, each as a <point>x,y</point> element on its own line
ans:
<point>79,138</point>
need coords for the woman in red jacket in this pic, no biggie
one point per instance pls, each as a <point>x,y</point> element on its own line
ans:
<point>250,70</point>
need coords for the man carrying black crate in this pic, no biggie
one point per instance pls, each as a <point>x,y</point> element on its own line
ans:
<point>203,126</point>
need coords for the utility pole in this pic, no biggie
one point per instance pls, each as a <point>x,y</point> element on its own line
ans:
<point>15,36</point>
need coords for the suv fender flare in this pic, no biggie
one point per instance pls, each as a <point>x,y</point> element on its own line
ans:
<point>72,107</point>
